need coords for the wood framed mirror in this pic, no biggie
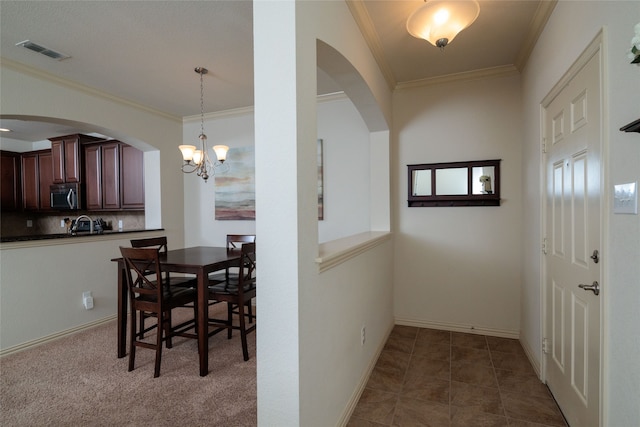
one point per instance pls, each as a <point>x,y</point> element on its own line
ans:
<point>473,183</point>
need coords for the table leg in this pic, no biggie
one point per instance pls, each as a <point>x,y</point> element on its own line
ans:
<point>203,322</point>
<point>122,310</point>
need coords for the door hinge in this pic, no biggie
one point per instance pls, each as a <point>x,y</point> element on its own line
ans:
<point>545,345</point>
<point>544,144</point>
<point>544,245</point>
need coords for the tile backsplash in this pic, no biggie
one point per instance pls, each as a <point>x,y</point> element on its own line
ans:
<point>16,223</point>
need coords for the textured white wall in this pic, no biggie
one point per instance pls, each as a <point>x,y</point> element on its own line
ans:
<point>459,267</point>
<point>570,29</point>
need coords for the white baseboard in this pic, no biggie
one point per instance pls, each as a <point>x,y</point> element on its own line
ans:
<point>355,397</point>
<point>34,343</point>
<point>455,327</point>
<point>529,352</point>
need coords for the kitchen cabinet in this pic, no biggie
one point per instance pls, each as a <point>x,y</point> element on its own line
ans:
<point>36,178</point>
<point>114,178</point>
<point>132,178</point>
<point>45,179</point>
<point>65,152</point>
<point>10,181</point>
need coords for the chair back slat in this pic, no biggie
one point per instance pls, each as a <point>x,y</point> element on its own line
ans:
<point>144,276</point>
<point>158,242</point>
<point>235,241</point>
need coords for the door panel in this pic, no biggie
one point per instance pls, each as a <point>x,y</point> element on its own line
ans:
<point>572,126</point>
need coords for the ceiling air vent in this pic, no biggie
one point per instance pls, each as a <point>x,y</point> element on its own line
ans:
<point>43,50</point>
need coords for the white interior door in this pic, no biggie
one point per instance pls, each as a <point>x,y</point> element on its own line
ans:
<point>572,128</point>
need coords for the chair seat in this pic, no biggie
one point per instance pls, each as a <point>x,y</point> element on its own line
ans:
<point>183,282</point>
<point>177,295</point>
<point>230,287</point>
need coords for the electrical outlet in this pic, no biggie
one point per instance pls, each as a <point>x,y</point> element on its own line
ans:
<point>362,335</point>
<point>87,300</point>
<point>120,224</point>
<point>62,223</point>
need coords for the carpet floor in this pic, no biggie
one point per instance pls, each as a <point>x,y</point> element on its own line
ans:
<point>79,381</point>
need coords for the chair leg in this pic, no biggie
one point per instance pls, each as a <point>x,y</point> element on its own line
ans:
<point>167,326</point>
<point>141,327</point>
<point>132,336</point>
<point>229,319</point>
<point>250,311</point>
<point>162,325</point>
<point>243,333</point>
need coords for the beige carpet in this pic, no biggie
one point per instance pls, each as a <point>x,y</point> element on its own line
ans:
<point>79,381</point>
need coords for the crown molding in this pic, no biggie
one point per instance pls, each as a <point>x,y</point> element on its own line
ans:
<point>543,12</point>
<point>485,73</point>
<point>43,75</point>
<point>368,31</point>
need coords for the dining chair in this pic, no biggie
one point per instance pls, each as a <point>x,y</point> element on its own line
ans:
<point>149,293</point>
<point>161,244</point>
<point>234,243</point>
<point>237,291</point>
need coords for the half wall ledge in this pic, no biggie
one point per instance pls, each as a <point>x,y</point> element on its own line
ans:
<point>335,252</point>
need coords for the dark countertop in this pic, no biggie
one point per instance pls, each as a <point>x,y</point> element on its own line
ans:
<point>79,235</point>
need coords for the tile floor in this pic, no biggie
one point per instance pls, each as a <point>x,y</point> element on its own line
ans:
<point>427,377</point>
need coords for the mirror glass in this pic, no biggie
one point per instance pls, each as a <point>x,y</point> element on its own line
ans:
<point>451,181</point>
<point>422,182</point>
<point>483,179</point>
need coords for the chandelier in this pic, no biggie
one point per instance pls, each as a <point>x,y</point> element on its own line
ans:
<point>440,21</point>
<point>198,161</point>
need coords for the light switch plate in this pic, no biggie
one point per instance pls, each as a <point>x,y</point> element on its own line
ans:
<point>625,198</point>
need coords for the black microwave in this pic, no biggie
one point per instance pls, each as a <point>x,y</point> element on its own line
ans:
<point>65,196</point>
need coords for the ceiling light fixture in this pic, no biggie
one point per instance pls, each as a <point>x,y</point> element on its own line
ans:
<point>440,21</point>
<point>198,160</point>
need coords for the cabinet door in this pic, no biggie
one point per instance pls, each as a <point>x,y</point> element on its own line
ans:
<point>132,171</point>
<point>10,188</point>
<point>93,177</point>
<point>30,182</point>
<point>111,176</point>
<point>45,179</point>
<point>72,160</point>
<point>57,154</point>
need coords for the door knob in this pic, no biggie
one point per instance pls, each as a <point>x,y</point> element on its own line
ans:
<point>595,287</point>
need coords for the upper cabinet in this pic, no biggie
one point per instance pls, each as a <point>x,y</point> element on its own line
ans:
<point>114,176</point>
<point>36,179</point>
<point>65,151</point>
<point>10,183</point>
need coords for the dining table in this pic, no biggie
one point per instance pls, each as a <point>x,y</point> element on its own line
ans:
<point>198,260</point>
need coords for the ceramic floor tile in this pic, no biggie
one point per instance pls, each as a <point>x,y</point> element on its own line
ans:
<point>517,381</point>
<point>386,379</point>
<point>430,350</point>
<point>532,409</point>
<point>426,388</point>
<point>359,422</point>
<point>505,345</point>
<point>425,367</point>
<point>470,355</point>
<point>399,343</point>
<point>460,339</point>
<point>393,361</point>
<point>428,377</point>
<point>434,336</point>
<point>376,405</point>
<point>483,376</point>
<point>411,412</point>
<point>404,331</point>
<point>467,417</point>
<point>481,399</point>
<point>512,362</point>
